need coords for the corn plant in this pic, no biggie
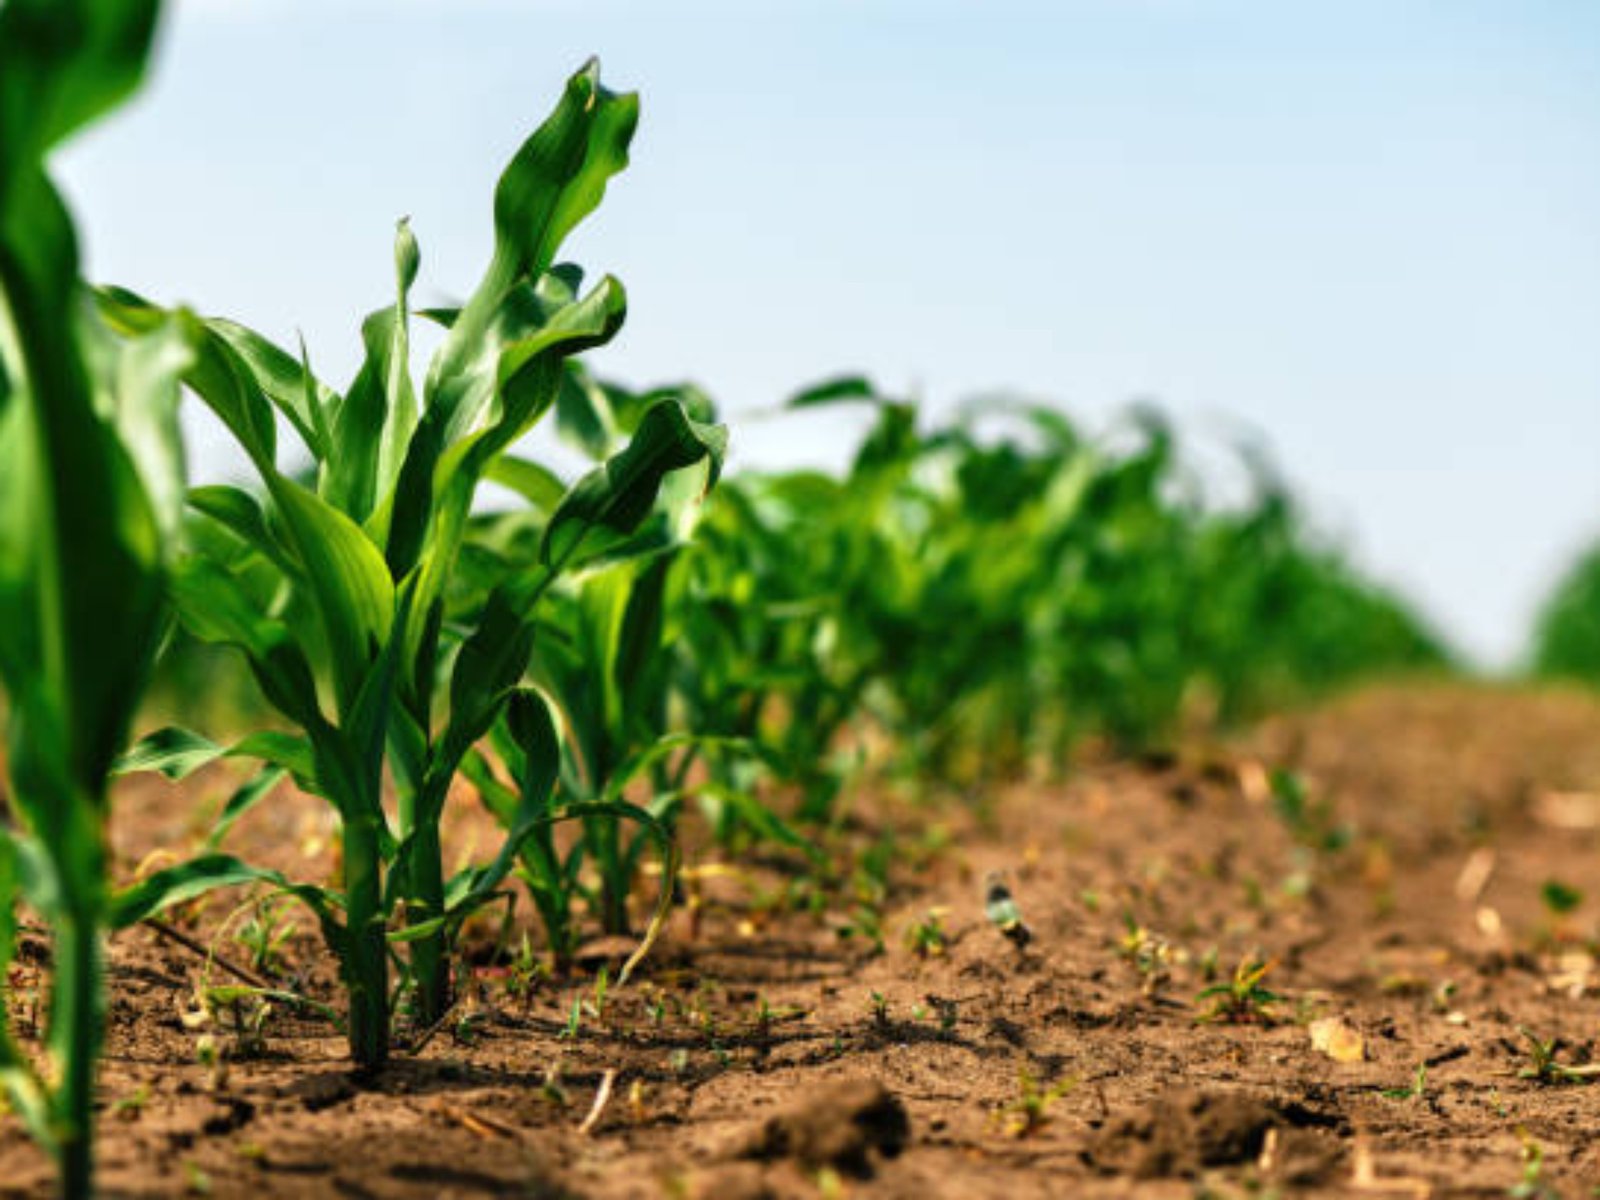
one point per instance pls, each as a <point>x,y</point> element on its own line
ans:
<point>339,594</point>
<point>1567,633</point>
<point>601,663</point>
<point>90,478</point>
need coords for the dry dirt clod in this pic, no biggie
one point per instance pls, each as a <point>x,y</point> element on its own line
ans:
<point>845,1125</point>
<point>1181,1133</point>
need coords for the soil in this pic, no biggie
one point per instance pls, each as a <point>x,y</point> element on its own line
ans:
<point>1403,915</point>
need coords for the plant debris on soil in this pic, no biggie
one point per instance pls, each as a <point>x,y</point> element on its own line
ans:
<point>889,1038</point>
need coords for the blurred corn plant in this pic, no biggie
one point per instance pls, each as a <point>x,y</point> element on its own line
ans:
<point>975,598</point>
<point>342,592</point>
<point>91,484</point>
<point>1567,632</point>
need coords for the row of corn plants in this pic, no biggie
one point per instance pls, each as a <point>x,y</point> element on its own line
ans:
<point>962,600</point>
<point>988,592</point>
<point>606,654</point>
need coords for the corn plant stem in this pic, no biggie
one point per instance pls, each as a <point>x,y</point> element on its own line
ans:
<point>602,834</point>
<point>366,958</point>
<point>76,1035</point>
<point>430,956</point>
<point>419,814</point>
<point>551,898</point>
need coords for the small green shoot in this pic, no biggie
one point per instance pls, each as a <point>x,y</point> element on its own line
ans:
<point>263,935</point>
<point>569,1031</point>
<point>927,938</point>
<point>1542,1065</point>
<point>1030,1111</point>
<point>1242,1000</point>
<point>1416,1090</point>
<point>1531,1185</point>
<point>1559,898</point>
<point>1150,954</point>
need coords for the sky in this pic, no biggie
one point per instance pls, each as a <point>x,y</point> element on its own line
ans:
<point>1365,231</point>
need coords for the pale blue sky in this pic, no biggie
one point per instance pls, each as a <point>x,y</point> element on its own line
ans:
<point>1370,230</point>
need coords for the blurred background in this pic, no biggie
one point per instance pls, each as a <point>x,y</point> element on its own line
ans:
<point>1367,234</point>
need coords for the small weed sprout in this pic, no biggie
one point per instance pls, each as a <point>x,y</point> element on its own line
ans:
<point>596,1008</point>
<point>464,1029</point>
<point>927,938</point>
<point>1560,901</point>
<point>866,923</point>
<point>524,972</point>
<point>551,1089</point>
<point>1531,1185</point>
<point>1150,954</point>
<point>263,935</point>
<point>212,1061</point>
<point>1313,824</point>
<point>878,1006</point>
<point>767,1015</point>
<point>949,1013</point>
<point>1416,1090</point>
<point>569,1031</point>
<point>1242,1000</point>
<point>1543,1067</point>
<point>131,1106</point>
<point>1030,1111</point>
<point>656,1007</point>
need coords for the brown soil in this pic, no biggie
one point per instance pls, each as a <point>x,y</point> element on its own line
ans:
<point>766,1055</point>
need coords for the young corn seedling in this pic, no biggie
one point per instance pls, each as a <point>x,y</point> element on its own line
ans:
<point>343,595</point>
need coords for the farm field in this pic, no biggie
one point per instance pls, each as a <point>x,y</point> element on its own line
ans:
<point>492,785</point>
<point>763,1053</point>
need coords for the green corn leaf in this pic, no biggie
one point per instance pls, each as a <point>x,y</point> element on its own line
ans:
<point>346,575</point>
<point>285,381</point>
<point>846,389</point>
<point>214,607</point>
<point>163,889</point>
<point>242,515</point>
<point>610,502</point>
<point>64,64</point>
<point>537,484</point>
<point>247,796</point>
<point>378,416</point>
<point>222,378</point>
<point>84,525</point>
<point>555,179</point>
<point>524,810</point>
<point>491,661</point>
<point>583,414</point>
<point>137,380</point>
<point>178,753</point>
<point>560,173</point>
<point>173,751</point>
